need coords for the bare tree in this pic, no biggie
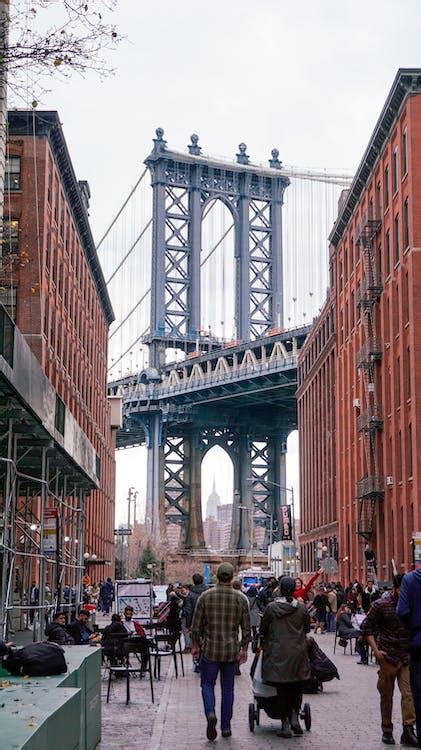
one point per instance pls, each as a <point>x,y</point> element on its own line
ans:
<point>48,37</point>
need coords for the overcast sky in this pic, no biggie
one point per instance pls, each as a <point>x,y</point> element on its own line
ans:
<point>307,77</point>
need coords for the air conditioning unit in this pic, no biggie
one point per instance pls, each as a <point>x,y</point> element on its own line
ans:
<point>371,387</point>
<point>356,403</point>
<point>389,481</point>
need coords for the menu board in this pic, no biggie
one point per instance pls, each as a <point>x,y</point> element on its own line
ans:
<point>138,594</point>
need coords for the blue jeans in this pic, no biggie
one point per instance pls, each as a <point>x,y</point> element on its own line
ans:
<point>415,677</point>
<point>209,672</point>
<point>331,622</point>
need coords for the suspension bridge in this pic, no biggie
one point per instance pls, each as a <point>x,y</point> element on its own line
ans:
<point>215,272</point>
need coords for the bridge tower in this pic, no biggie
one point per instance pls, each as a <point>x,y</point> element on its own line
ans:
<point>183,186</point>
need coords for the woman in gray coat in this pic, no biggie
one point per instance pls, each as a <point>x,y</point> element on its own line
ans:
<point>285,660</point>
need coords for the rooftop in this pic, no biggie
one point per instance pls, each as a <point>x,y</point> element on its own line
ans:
<point>48,125</point>
<point>407,82</point>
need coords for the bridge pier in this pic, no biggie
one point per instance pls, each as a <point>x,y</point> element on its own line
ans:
<point>193,534</point>
<point>155,490</point>
<point>241,518</point>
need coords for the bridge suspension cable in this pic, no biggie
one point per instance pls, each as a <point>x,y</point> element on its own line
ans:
<point>137,240</point>
<point>138,303</point>
<point>129,348</point>
<point>118,214</point>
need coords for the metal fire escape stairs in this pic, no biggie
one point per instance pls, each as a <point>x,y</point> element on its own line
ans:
<point>370,489</point>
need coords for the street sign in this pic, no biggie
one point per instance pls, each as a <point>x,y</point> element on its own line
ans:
<point>123,532</point>
<point>330,565</point>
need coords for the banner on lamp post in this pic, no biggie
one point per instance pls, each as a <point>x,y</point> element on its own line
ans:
<point>50,533</point>
<point>286,523</point>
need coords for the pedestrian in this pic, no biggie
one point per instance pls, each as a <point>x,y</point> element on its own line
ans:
<point>33,601</point>
<point>347,632</point>
<point>220,613</point>
<point>333,608</point>
<point>267,593</point>
<point>321,603</point>
<point>190,605</point>
<point>389,639</point>
<point>286,665</point>
<point>409,609</point>
<point>369,595</point>
<point>251,594</point>
<point>301,590</point>
<point>107,595</point>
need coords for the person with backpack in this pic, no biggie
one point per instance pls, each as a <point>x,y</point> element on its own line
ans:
<point>190,605</point>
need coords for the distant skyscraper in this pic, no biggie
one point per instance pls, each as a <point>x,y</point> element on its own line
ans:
<point>213,501</point>
<point>224,515</point>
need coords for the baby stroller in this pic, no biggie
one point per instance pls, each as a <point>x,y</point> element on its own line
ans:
<point>265,698</point>
<point>322,668</point>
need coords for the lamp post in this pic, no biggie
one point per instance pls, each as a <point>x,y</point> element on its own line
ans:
<point>285,489</point>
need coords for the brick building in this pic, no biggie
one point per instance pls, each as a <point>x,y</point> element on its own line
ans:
<point>316,410</point>
<point>53,286</point>
<point>375,280</point>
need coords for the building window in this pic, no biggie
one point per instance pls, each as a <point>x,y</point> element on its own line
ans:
<point>405,299</point>
<point>399,466</point>
<point>10,243</point>
<point>340,276</point>
<point>352,310</point>
<point>12,174</point>
<point>408,373</point>
<point>386,188</point>
<point>49,187</point>
<point>46,317</point>
<point>404,153</point>
<point>406,224</point>
<point>378,199</point>
<point>7,337</point>
<point>48,250</point>
<point>397,311</point>
<point>379,259</point>
<point>8,298</point>
<point>395,170</point>
<point>398,382</point>
<point>387,253</point>
<point>396,239</point>
<point>60,414</point>
<point>410,469</point>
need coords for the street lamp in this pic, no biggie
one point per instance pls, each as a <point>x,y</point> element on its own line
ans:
<point>285,489</point>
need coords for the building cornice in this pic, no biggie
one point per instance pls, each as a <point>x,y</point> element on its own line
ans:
<point>47,124</point>
<point>406,83</point>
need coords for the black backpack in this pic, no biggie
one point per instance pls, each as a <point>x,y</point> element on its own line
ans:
<point>36,660</point>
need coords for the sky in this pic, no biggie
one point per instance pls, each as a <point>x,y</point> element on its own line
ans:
<point>309,78</point>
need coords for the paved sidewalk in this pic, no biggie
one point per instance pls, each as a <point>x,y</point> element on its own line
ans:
<point>346,712</point>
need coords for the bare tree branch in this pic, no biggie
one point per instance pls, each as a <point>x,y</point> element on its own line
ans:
<point>62,37</point>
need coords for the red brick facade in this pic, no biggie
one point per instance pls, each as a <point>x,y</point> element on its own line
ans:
<point>375,260</point>
<point>59,301</point>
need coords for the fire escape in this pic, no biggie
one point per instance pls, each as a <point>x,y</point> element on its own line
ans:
<point>370,489</point>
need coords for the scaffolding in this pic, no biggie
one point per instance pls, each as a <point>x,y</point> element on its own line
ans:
<point>43,492</point>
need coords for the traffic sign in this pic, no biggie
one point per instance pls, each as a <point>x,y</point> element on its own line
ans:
<point>123,532</point>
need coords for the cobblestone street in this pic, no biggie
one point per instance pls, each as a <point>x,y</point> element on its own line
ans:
<point>347,711</point>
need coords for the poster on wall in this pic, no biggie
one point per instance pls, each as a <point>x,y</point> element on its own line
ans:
<point>137,593</point>
<point>50,532</point>
<point>416,541</point>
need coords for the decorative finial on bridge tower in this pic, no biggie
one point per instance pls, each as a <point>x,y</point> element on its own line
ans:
<point>194,147</point>
<point>242,157</point>
<point>274,161</point>
<point>159,143</point>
